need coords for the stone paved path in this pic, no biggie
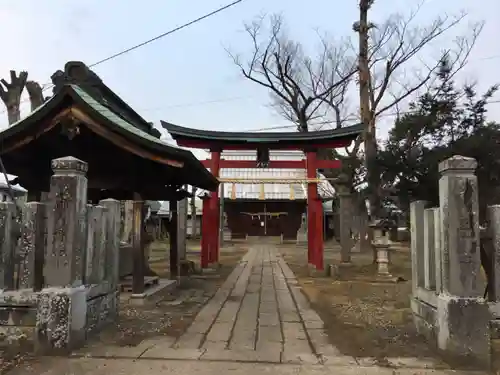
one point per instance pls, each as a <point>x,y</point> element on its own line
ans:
<point>259,313</point>
<point>258,321</point>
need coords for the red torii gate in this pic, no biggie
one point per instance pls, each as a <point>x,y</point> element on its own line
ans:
<point>309,142</point>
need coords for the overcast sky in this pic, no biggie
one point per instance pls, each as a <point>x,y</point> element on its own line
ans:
<point>187,78</point>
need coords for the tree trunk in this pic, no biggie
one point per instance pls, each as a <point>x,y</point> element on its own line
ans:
<point>35,93</point>
<point>11,94</point>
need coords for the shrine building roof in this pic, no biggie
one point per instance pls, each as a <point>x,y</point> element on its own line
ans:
<point>86,119</point>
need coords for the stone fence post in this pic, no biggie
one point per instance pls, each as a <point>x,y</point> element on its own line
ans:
<point>62,305</point>
<point>66,223</point>
<point>458,199</point>
<point>462,314</point>
<point>417,209</point>
<point>113,240</point>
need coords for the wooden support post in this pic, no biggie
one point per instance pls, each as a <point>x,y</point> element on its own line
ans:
<point>312,196</point>
<point>204,234</point>
<point>319,235</point>
<point>193,214</point>
<point>138,250</point>
<point>214,211</point>
<point>221,218</point>
<point>174,255</point>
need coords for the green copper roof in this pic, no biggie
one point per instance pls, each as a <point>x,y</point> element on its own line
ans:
<point>194,172</point>
<point>113,117</point>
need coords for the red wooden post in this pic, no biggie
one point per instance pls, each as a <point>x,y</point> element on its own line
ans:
<point>214,210</point>
<point>312,197</point>
<point>205,219</point>
<point>319,236</point>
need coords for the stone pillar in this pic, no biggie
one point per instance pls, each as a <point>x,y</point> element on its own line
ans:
<point>462,314</point>
<point>96,245</point>
<point>7,244</point>
<point>460,227</point>
<point>417,244</point>
<point>431,215</point>
<point>66,224</point>
<point>127,217</point>
<point>345,213</point>
<point>32,246</point>
<point>112,217</point>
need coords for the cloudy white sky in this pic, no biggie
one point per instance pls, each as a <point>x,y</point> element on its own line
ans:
<point>187,77</point>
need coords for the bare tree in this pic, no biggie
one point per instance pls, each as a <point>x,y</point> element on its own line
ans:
<point>299,85</point>
<point>11,94</point>
<point>35,93</point>
<point>384,57</point>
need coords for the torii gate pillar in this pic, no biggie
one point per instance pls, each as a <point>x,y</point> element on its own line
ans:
<point>314,215</point>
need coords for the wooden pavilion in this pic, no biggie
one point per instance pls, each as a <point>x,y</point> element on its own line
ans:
<point>309,143</point>
<point>126,159</point>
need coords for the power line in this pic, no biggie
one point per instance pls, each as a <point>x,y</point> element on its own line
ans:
<point>168,32</point>
<point>123,52</point>
<point>327,122</point>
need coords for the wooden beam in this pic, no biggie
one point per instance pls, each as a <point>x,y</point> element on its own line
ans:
<point>122,142</point>
<point>273,180</point>
<point>252,146</point>
<point>276,164</point>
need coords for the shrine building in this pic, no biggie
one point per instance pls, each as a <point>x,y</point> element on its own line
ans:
<point>267,209</point>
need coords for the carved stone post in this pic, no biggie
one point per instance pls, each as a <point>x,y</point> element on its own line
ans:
<point>7,244</point>
<point>66,223</point>
<point>417,244</point>
<point>113,240</point>
<point>460,230</point>
<point>32,246</point>
<point>462,314</point>
<point>345,218</point>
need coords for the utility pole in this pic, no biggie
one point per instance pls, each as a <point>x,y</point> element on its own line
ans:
<point>362,27</point>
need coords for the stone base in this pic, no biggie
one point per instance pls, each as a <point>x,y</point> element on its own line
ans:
<point>425,319</point>
<point>458,327</point>
<point>151,294</point>
<point>61,320</point>
<point>313,272</point>
<point>463,328</point>
<point>388,278</point>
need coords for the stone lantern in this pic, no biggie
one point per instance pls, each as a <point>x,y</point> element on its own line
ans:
<point>381,243</point>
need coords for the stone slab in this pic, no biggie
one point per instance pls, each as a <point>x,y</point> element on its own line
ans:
<point>189,341</point>
<point>114,351</point>
<point>158,352</point>
<point>296,358</point>
<point>220,332</point>
<point>337,360</point>
<point>255,356</point>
